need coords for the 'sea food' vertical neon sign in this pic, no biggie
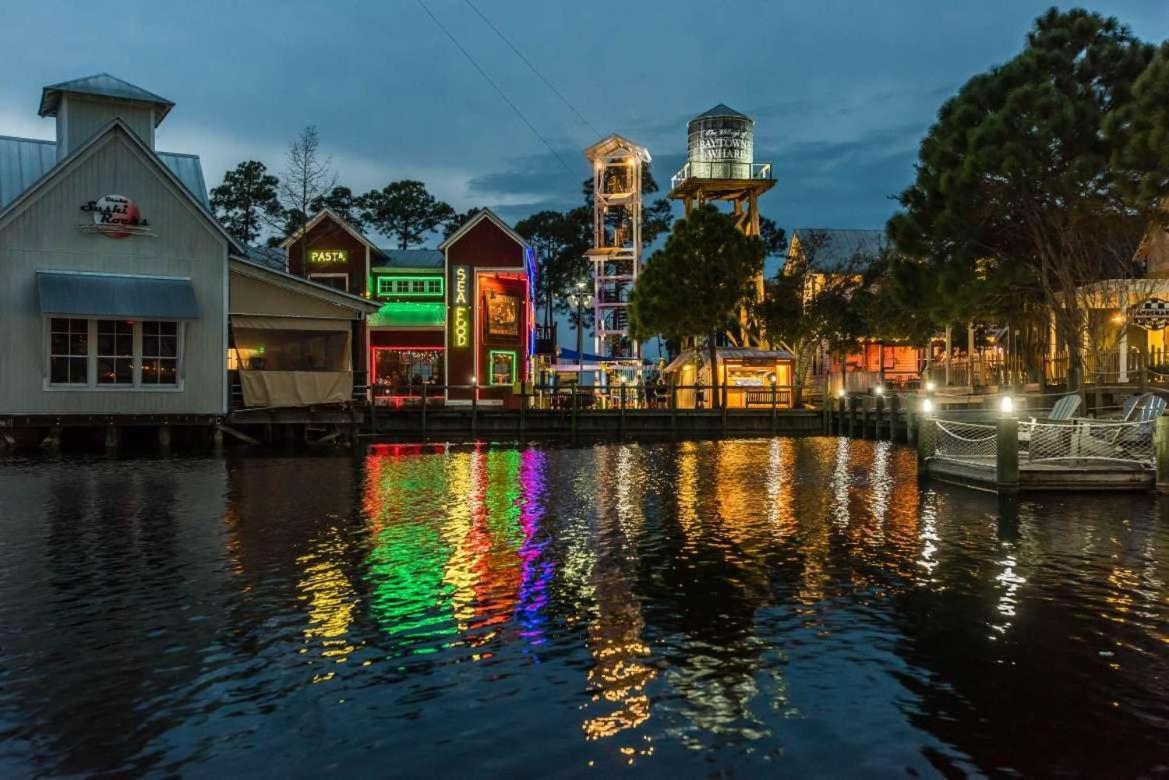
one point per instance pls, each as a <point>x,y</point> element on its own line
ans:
<point>461,305</point>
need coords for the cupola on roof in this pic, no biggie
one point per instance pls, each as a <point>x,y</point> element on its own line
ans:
<point>103,85</point>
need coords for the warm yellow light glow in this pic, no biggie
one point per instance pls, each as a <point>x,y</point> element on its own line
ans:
<point>1118,319</point>
<point>927,406</point>
<point>841,393</point>
<point>878,390</point>
<point>1007,404</point>
<point>929,387</point>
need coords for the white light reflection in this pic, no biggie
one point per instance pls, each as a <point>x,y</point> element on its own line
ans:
<point>840,483</point>
<point>928,534</point>
<point>1008,582</point>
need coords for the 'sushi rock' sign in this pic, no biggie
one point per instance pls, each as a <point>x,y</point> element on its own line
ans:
<point>115,216</point>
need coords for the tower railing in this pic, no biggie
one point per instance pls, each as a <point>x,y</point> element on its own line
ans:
<point>722,170</point>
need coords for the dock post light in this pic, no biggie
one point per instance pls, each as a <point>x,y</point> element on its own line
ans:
<point>878,390</point>
<point>1007,405</point>
<point>927,406</point>
<point>929,387</point>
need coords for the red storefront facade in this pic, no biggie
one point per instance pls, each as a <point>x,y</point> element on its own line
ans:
<point>490,319</point>
<point>458,315</point>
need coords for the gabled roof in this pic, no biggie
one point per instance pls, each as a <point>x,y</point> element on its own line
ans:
<point>481,215</point>
<point>302,285</point>
<point>320,216</point>
<point>837,249</point>
<point>105,85</point>
<point>721,110</point>
<point>411,258</point>
<point>25,160</point>
<point>116,125</point>
<point>611,143</point>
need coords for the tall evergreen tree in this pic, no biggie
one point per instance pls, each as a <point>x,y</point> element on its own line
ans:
<point>1016,169</point>
<point>405,211</point>
<point>692,288</point>
<point>247,200</point>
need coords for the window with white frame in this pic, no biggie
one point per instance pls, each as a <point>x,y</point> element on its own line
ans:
<point>104,353</point>
<point>68,351</point>
<point>160,353</point>
<point>336,281</point>
<point>115,352</point>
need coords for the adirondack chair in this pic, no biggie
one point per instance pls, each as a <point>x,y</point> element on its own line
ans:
<point>1063,411</point>
<point>1109,440</point>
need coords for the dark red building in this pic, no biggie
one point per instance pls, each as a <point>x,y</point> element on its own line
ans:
<point>461,314</point>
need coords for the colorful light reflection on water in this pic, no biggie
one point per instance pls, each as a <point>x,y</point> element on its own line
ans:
<point>743,607</point>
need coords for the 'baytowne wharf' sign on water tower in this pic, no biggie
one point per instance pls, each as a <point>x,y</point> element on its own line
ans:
<point>721,144</point>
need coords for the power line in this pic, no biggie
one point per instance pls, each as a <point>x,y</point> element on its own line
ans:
<point>497,88</point>
<point>533,68</point>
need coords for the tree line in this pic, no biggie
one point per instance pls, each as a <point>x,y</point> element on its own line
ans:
<point>253,203</point>
<point>1035,195</point>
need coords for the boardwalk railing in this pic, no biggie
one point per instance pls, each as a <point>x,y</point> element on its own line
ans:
<point>964,442</point>
<point>1128,443</point>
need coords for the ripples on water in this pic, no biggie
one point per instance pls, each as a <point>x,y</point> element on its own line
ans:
<point>796,606</point>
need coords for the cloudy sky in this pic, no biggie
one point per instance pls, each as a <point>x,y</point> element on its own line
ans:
<point>841,90</point>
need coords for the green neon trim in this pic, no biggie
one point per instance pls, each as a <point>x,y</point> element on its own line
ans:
<point>409,314</point>
<point>491,364</point>
<point>386,286</point>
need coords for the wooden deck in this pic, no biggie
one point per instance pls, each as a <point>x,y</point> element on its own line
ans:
<point>1048,475</point>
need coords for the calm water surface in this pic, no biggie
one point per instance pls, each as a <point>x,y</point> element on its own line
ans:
<point>798,607</point>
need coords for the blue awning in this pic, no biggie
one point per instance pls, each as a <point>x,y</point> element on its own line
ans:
<point>116,295</point>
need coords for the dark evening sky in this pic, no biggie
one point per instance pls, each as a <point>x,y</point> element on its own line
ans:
<point>841,91</point>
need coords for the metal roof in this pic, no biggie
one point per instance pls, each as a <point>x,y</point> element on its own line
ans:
<point>412,258</point>
<point>105,85</point>
<point>25,160</point>
<point>721,110</point>
<point>839,249</point>
<point>74,293</point>
<point>268,256</point>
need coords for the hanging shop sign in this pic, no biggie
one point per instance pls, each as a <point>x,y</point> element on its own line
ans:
<point>328,256</point>
<point>1153,314</point>
<point>115,216</point>
<point>460,306</point>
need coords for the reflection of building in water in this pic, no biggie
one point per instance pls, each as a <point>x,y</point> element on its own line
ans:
<point>315,543</point>
<point>404,498</point>
<point>106,565</point>
<point>618,677</point>
<point>536,568</point>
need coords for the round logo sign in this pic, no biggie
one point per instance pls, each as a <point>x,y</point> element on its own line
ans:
<point>115,216</point>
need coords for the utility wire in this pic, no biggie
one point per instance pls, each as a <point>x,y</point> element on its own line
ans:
<point>533,68</point>
<point>497,88</point>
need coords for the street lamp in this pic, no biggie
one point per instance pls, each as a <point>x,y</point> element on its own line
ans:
<point>579,300</point>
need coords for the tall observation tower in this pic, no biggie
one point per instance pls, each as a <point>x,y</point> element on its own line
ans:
<point>616,252</point>
<point>720,165</point>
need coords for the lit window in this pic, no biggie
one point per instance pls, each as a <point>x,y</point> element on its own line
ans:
<point>160,353</point>
<point>418,286</point>
<point>402,286</point>
<point>115,352</point>
<point>68,351</point>
<point>434,286</point>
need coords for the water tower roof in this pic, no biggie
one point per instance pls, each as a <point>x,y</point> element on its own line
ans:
<point>721,110</point>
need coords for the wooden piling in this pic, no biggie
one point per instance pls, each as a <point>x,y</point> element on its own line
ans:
<point>927,439</point>
<point>423,423</point>
<point>1161,450</point>
<point>1007,455</point>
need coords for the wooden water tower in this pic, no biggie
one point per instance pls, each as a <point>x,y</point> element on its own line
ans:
<point>616,253</point>
<point>720,165</point>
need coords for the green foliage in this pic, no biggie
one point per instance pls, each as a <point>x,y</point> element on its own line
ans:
<point>560,240</point>
<point>404,210</point>
<point>774,237</point>
<point>1141,129</point>
<point>1015,173</point>
<point>247,200</point>
<point>694,285</point>
<point>341,201</point>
